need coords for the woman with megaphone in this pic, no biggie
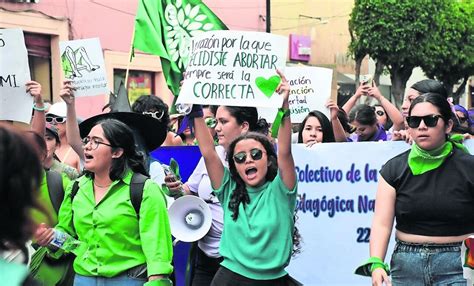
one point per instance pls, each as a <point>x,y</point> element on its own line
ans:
<point>232,121</point>
<point>258,194</point>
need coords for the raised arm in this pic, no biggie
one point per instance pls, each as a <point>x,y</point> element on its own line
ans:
<point>392,112</point>
<point>363,89</point>
<point>214,166</point>
<point>382,224</point>
<point>337,129</point>
<point>38,122</point>
<point>72,128</point>
<point>286,164</point>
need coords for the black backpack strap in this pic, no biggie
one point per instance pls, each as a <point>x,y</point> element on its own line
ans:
<point>74,190</point>
<point>54,182</point>
<point>136,191</point>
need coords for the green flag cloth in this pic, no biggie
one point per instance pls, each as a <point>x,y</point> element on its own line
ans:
<point>165,28</point>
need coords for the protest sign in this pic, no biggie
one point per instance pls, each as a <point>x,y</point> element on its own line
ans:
<point>234,68</point>
<point>15,103</point>
<point>83,63</point>
<point>310,88</point>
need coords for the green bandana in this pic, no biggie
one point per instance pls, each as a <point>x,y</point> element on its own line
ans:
<point>421,161</point>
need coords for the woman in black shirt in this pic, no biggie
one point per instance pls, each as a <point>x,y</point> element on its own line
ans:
<point>430,191</point>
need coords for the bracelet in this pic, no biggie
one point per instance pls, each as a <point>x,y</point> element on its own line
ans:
<point>282,113</point>
<point>370,265</point>
<point>286,112</point>
<point>39,108</point>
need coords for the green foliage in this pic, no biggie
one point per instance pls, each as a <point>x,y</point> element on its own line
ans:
<point>450,54</point>
<point>403,34</point>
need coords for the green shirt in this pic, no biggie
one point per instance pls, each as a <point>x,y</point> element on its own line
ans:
<point>48,214</point>
<point>116,240</point>
<point>259,243</point>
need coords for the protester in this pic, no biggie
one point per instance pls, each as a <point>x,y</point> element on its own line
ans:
<point>433,212</point>
<point>462,116</point>
<point>51,162</point>
<point>258,196</point>
<point>365,121</point>
<point>315,128</point>
<point>153,106</point>
<point>388,108</point>
<point>232,121</point>
<point>130,250</point>
<point>20,177</point>
<point>57,116</point>
<point>419,88</point>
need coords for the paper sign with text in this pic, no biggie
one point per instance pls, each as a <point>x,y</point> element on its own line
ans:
<point>234,68</point>
<point>83,63</point>
<point>310,89</point>
<point>15,103</point>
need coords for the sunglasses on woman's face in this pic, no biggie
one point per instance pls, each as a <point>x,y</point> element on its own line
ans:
<point>211,122</point>
<point>429,120</point>
<point>55,120</point>
<point>380,112</point>
<point>241,157</point>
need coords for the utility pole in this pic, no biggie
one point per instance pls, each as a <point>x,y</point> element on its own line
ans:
<point>267,17</point>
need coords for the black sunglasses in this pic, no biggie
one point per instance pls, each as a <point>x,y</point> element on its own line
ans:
<point>429,120</point>
<point>241,157</point>
<point>380,112</point>
<point>55,120</point>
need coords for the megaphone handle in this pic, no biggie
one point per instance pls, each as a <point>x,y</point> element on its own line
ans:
<point>175,242</point>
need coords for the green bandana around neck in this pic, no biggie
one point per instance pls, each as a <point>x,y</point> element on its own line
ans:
<point>421,161</point>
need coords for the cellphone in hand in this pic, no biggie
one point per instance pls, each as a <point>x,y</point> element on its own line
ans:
<point>367,80</point>
<point>168,172</point>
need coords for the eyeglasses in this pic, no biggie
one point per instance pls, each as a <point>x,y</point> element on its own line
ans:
<point>241,157</point>
<point>157,114</point>
<point>55,120</point>
<point>380,112</point>
<point>429,120</point>
<point>211,122</point>
<point>94,142</point>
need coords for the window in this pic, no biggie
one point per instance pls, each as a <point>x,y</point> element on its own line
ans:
<point>39,59</point>
<point>139,83</point>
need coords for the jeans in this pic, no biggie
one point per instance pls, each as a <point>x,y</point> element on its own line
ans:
<point>119,280</point>
<point>427,264</point>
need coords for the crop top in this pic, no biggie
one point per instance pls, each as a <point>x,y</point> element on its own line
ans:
<point>439,202</point>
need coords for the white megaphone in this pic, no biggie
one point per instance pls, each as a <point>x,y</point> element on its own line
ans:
<point>190,219</point>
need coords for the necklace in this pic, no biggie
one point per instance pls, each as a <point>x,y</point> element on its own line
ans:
<point>99,186</point>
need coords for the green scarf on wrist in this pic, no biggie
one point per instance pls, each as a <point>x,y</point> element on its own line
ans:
<point>421,161</point>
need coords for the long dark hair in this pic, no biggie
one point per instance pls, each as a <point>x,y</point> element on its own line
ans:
<point>20,178</point>
<point>328,134</point>
<point>244,114</point>
<point>430,86</point>
<point>121,136</point>
<point>239,194</point>
<point>363,114</point>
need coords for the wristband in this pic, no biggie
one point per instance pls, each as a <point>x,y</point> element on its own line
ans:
<point>370,265</point>
<point>39,108</point>
<point>282,113</point>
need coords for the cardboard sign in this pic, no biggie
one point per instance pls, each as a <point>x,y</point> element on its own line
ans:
<point>310,90</point>
<point>234,68</point>
<point>83,63</point>
<point>15,103</point>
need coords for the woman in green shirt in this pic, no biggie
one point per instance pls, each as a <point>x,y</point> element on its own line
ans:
<point>122,247</point>
<point>258,194</point>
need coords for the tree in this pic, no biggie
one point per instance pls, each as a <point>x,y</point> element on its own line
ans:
<point>394,33</point>
<point>450,54</point>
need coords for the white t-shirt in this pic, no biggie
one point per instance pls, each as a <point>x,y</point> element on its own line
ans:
<point>200,184</point>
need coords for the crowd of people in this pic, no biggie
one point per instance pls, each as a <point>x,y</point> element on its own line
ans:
<point>95,182</point>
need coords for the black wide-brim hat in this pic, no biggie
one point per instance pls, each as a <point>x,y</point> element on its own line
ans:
<point>152,131</point>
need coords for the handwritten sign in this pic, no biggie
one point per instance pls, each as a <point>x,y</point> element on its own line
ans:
<point>310,89</point>
<point>15,103</point>
<point>234,68</point>
<point>83,63</point>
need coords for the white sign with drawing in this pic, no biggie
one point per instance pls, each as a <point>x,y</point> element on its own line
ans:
<point>310,90</point>
<point>15,103</point>
<point>234,68</point>
<point>83,63</point>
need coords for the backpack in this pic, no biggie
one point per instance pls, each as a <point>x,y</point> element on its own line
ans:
<point>136,190</point>
<point>54,181</point>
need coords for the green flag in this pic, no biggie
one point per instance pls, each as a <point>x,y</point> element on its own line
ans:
<point>165,28</point>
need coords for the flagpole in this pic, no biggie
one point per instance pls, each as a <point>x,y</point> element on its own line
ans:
<point>129,60</point>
